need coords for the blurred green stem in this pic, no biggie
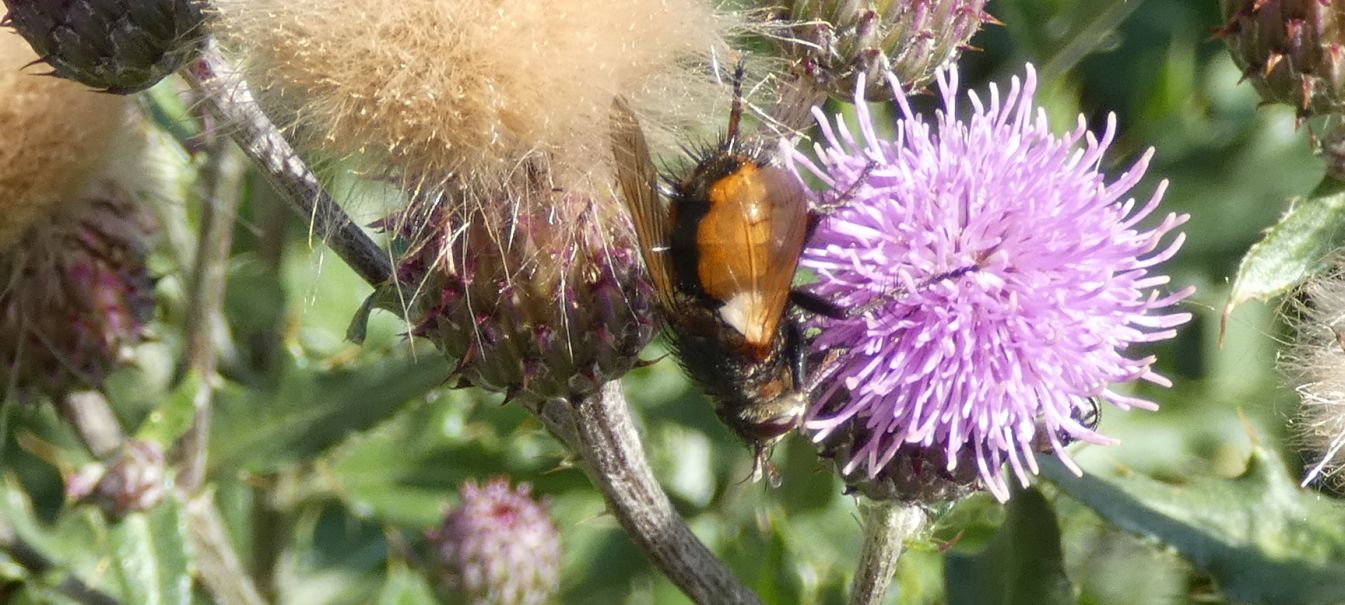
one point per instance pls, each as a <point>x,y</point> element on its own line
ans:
<point>599,428</point>
<point>229,99</point>
<point>220,568</point>
<point>1089,38</point>
<point>886,527</point>
<point>221,179</point>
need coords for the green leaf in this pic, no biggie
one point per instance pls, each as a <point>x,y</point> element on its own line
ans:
<point>404,469</point>
<point>67,554</point>
<point>174,417</point>
<point>312,410</point>
<point>1262,538</point>
<point>405,587</point>
<point>1023,564</point>
<point>389,298</point>
<point>152,555</point>
<point>142,559</point>
<point>1294,249</point>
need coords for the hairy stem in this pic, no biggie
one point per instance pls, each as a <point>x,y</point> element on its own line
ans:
<point>599,428</point>
<point>228,97</point>
<point>886,527</point>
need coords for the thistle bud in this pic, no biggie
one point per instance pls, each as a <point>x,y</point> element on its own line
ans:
<point>1292,51</point>
<point>498,547</point>
<point>833,42</point>
<point>915,473</point>
<point>77,294</point>
<point>134,481</point>
<point>539,296</point>
<point>118,46</point>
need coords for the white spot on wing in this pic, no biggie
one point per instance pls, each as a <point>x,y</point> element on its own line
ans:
<point>743,313</point>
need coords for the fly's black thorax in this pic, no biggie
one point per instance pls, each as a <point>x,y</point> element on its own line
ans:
<point>751,395</point>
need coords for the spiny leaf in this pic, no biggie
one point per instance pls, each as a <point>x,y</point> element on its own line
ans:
<point>1294,249</point>
<point>1261,537</point>
<point>313,409</point>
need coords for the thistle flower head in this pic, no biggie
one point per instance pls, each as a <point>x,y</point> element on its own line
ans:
<point>998,285</point>
<point>494,119</point>
<point>75,292</point>
<point>498,547</point>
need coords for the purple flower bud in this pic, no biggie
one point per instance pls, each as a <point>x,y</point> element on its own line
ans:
<point>998,285</point>
<point>133,481</point>
<point>498,547</point>
<point>835,43</point>
<point>1292,51</point>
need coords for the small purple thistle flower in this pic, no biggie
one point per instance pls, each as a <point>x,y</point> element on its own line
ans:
<point>996,284</point>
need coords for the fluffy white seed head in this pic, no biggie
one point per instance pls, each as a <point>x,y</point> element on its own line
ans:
<point>1316,365</point>
<point>464,93</point>
<point>59,138</point>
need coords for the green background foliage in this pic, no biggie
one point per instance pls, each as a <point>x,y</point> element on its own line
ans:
<point>330,460</point>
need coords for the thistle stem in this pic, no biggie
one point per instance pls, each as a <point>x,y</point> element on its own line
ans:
<point>886,527</point>
<point>228,97</point>
<point>91,416</point>
<point>222,177</point>
<point>1333,152</point>
<point>220,568</point>
<point>599,428</point>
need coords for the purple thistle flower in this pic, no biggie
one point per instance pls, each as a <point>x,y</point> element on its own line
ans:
<point>996,284</point>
